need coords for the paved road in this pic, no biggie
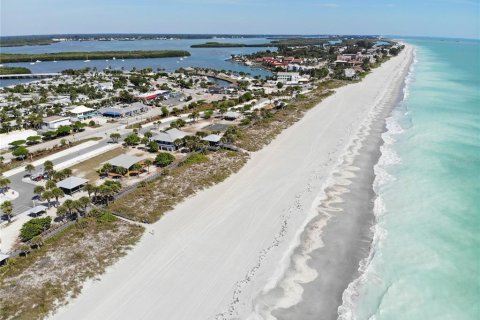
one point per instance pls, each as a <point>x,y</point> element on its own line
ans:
<point>25,201</point>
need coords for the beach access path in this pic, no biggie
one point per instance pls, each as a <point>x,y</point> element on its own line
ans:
<point>210,256</point>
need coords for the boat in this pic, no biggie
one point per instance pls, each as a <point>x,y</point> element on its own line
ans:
<point>113,58</point>
<point>181,59</point>
<point>86,60</point>
<point>38,61</point>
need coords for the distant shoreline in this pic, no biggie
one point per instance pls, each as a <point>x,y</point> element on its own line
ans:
<point>95,55</point>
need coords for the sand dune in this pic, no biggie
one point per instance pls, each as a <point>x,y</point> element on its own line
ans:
<point>209,258</point>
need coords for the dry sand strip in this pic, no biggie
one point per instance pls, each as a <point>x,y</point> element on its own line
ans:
<point>210,256</point>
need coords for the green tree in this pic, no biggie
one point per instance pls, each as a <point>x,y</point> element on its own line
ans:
<point>279,85</point>
<point>50,185</point>
<point>7,209</point>
<point>120,170</point>
<point>115,137</point>
<point>34,227</point>
<point>48,166</point>
<point>148,163</point>
<point>84,202</point>
<point>48,195</point>
<point>61,212</point>
<point>132,139</point>
<point>165,112</point>
<point>4,184</point>
<point>164,159</point>
<point>153,146</point>
<point>57,193</point>
<point>148,135</point>
<point>64,130</point>
<point>38,190</point>
<point>29,168</point>
<point>20,152</point>
<point>37,241</point>
<point>89,188</point>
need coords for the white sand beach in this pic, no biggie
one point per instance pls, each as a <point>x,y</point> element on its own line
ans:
<point>212,255</point>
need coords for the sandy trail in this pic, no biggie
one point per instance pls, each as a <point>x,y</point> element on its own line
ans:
<point>210,256</point>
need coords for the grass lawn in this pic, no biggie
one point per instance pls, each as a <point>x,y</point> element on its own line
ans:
<point>87,169</point>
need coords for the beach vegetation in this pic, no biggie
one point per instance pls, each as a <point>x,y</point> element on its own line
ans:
<point>164,159</point>
<point>33,285</point>
<point>34,227</point>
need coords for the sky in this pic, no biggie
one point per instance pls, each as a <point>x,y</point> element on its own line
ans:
<point>439,18</point>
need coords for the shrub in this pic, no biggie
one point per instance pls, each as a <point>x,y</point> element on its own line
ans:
<point>163,159</point>
<point>195,158</point>
<point>34,227</point>
<point>106,217</point>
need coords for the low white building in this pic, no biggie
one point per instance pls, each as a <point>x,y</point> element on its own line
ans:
<point>54,122</point>
<point>82,112</point>
<point>105,86</point>
<point>288,77</point>
<point>349,73</point>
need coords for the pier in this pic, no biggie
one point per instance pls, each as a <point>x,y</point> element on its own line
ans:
<point>29,76</point>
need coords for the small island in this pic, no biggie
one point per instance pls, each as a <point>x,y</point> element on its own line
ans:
<point>230,45</point>
<point>95,55</point>
<point>14,70</point>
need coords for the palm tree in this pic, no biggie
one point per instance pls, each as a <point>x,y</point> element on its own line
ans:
<point>148,135</point>
<point>38,190</point>
<point>29,168</point>
<point>25,249</point>
<point>84,202</point>
<point>4,183</point>
<point>57,193</point>
<point>48,195</point>
<point>50,185</point>
<point>7,209</point>
<point>37,241</point>
<point>121,170</point>
<point>48,166</point>
<point>89,188</point>
<point>148,163</point>
<point>70,205</point>
<point>106,192</point>
<point>61,212</point>
<point>67,172</point>
<point>57,176</point>
<point>107,167</point>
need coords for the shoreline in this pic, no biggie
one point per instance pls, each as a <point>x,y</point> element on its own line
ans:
<point>216,250</point>
<point>337,261</point>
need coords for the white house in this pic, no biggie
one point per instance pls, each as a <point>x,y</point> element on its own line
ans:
<point>105,86</point>
<point>82,112</point>
<point>288,77</point>
<point>54,122</point>
<point>349,73</point>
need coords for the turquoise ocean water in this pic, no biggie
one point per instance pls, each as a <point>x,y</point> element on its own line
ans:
<point>425,259</point>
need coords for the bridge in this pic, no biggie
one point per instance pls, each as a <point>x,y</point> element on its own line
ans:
<point>29,76</point>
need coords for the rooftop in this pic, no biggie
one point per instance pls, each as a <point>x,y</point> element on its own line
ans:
<point>125,161</point>
<point>71,183</point>
<point>170,135</point>
<point>80,109</point>
<point>55,119</point>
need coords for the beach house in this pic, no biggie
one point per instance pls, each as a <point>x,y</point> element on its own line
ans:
<point>166,139</point>
<point>54,122</point>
